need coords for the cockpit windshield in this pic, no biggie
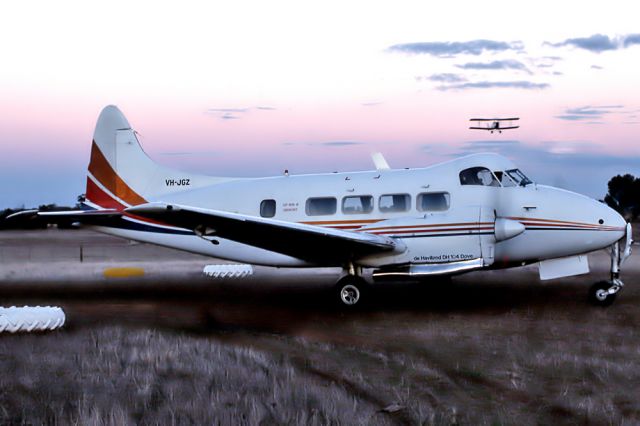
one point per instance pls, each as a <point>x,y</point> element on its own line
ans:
<point>518,177</point>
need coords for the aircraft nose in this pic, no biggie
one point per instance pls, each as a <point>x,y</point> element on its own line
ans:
<point>612,222</point>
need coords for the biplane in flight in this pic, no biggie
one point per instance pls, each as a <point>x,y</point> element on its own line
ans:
<point>493,124</point>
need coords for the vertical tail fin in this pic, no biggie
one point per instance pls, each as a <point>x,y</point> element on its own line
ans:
<point>121,174</point>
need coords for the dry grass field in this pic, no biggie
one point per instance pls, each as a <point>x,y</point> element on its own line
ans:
<point>491,348</point>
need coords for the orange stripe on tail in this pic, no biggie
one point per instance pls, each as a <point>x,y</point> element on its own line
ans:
<point>100,168</point>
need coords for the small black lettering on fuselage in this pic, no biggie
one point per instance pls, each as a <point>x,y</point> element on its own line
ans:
<point>177,182</point>
<point>445,257</point>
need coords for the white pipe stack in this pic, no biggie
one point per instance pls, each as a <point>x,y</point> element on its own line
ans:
<point>31,318</point>
<point>228,271</point>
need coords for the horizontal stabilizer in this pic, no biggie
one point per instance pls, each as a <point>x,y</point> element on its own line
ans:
<point>86,217</point>
<point>82,213</point>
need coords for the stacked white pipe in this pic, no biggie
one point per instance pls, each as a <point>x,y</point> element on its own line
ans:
<point>228,271</point>
<point>31,318</point>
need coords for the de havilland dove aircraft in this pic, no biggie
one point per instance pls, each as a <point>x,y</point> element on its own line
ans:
<point>473,213</point>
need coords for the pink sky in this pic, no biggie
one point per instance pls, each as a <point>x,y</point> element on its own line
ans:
<point>223,91</point>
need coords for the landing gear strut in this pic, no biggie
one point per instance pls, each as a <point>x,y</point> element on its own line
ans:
<point>604,293</point>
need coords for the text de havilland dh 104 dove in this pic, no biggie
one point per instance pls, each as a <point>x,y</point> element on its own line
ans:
<point>476,212</point>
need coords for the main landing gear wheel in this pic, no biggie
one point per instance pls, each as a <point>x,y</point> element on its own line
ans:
<point>603,293</point>
<point>350,291</point>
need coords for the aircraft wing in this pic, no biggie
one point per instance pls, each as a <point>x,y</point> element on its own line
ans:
<point>481,128</point>
<point>308,242</point>
<point>507,128</point>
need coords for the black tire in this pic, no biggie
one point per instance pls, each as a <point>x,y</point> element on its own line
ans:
<point>350,292</point>
<point>597,298</point>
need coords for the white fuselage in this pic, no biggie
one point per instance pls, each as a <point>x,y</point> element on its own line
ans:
<point>557,223</point>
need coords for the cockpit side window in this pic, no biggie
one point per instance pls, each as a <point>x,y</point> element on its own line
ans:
<point>504,179</point>
<point>519,177</point>
<point>478,176</point>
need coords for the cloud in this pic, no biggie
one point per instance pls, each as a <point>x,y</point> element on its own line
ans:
<point>527,85</point>
<point>371,104</point>
<point>235,113</point>
<point>596,67</point>
<point>483,145</point>
<point>328,143</point>
<point>229,116</point>
<point>340,143</point>
<point>588,113</point>
<point>451,48</point>
<point>523,150</point>
<point>445,78</point>
<point>570,117</point>
<point>227,110</point>
<point>187,153</point>
<point>631,39</point>
<point>596,43</point>
<point>508,64</point>
<point>599,43</point>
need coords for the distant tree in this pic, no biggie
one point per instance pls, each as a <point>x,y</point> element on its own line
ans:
<point>624,195</point>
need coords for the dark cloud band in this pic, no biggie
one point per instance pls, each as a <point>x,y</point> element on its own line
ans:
<point>527,85</point>
<point>450,48</point>
<point>508,64</point>
<point>599,43</point>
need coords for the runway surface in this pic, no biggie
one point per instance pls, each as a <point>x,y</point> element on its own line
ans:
<point>494,347</point>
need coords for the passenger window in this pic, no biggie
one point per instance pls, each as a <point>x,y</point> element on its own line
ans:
<point>268,208</point>
<point>433,201</point>
<point>357,204</point>
<point>321,206</point>
<point>478,176</point>
<point>392,203</point>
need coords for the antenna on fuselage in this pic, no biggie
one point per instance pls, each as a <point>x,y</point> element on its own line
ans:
<point>379,161</point>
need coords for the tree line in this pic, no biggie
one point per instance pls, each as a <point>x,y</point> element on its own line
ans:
<point>624,196</point>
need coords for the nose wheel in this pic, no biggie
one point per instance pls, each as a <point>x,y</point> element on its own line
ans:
<point>603,293</point>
